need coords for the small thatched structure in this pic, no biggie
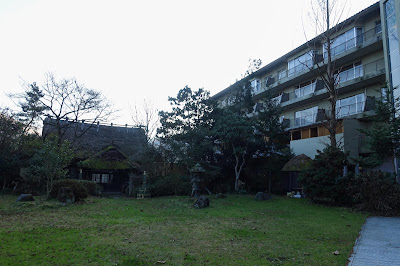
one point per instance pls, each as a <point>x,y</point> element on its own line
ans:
<point>291,171</point>
<point>297,163</point>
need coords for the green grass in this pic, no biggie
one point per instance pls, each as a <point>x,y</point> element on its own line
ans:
<point>233,231</point>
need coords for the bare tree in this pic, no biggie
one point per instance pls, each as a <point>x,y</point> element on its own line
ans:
<point>62,100</point>
<point>146,116</point>
<point>326,15</point>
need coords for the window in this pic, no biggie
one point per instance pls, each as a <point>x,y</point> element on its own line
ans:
<point>301,63</point>
<point>281,74</point>
<point>345,41</point>
<point>306,117</point>
<point>105,178</point>
<point>305,89</point>
<point>350,72</point>
<point>255,85</point>
<point>101,178</point>
<point>96,178</point>
<point>350,106</point>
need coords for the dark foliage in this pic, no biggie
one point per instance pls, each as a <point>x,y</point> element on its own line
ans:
<point>92,188</point>
<point>184,132</point>
<point>383,138</point>
<point>375,192</point>
<point>171,185</point>
<point>323,179</point>
<point>77,187</point>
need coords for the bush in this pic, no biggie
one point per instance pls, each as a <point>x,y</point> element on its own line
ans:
<point>171,185</point>
<point>323,181</point>
<point>77,187</point>
<point>92,188</point>
<point>375,192</point>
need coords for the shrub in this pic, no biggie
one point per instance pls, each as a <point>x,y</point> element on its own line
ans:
<point>77,187</point>
<point>323,179</point>
<point>92,188</point>
<point>375,192</point>
<point>171,185</point>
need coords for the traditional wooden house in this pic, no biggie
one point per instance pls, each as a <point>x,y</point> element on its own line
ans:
<point>110,168</point>
<point>106,154</point>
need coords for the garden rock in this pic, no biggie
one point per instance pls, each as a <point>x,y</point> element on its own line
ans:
<point>262,196</point>
<point>201,202</point>
<point>66,195</point>
<point>25,197</point>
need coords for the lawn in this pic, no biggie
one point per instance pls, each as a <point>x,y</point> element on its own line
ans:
<point>119,231</point>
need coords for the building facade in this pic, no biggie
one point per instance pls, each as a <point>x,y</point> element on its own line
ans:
<point>365,52</point>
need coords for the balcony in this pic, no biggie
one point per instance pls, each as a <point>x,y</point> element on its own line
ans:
<point>350,74</point>
<point>360,39</point>
<point>364,44</point>
<point>343,111</point>
<point>359,76</point>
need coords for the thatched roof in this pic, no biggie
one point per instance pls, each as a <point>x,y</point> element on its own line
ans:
<point>109,158</point>
<point>297,163</point>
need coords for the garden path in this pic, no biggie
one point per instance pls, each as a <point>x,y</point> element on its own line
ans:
<point>378,243</point>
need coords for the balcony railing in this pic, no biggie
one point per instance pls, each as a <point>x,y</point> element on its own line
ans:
<point>305,120</point>
<point>350,109</point>
<point>355,72</point>
<point>302,66</point>
<point>359,39</point>
<point>374,67</point>
<point>346,110</point>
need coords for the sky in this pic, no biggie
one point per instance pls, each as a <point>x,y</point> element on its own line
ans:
<point>136,50</point>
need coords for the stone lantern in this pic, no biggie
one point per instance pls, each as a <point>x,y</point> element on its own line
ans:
<point>197,171</point>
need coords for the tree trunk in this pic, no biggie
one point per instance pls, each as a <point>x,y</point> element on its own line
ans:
<point>238,169</point>
<point>331,82</point>
<point>49,186</point>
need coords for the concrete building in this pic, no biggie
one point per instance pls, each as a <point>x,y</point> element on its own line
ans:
<point>365,50</point>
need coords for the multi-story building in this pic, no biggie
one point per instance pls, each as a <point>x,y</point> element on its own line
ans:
<point>365,51</point>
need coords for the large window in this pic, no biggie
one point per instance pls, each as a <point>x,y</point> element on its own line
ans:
<point>345,41</point>
<point>350,72</point>
<point>301,63</point>
<point>255,85</point>
<point>393,46</point>
<point>305,89</point>
<point>350,106</point>
<point>306,117</point>
<point>281,74</point>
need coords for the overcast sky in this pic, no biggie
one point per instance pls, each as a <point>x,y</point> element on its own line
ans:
<point>147,49</point>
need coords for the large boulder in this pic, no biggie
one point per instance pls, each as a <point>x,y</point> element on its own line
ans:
<point>66,195</point>
<point>25,197</point>
<point>262,196</point>
<point>201,202</point>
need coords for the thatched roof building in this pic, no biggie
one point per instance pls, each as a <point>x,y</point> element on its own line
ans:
<point>297,163</point>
